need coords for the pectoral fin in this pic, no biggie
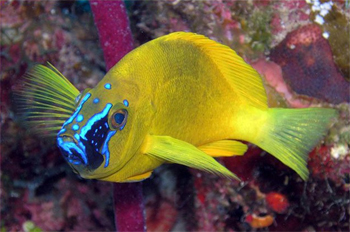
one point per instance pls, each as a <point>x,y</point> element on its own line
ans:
<point>224,148</point>
<point>176,151</point>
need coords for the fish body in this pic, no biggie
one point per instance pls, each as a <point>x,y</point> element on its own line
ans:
<point>182,98</point>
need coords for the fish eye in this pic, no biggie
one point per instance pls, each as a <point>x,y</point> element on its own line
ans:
<point>118,119</point>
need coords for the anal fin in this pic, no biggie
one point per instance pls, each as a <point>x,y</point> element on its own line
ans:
<point>224,148</point>
<point>177,151</point>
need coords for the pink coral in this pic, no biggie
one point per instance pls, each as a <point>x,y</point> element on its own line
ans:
<point>272,73</point>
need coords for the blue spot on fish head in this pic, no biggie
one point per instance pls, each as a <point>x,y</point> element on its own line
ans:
<point>96,100</point>
<point>126,103</point>
<point>80,118</point>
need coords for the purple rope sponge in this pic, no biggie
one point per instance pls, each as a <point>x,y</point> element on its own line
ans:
<point>113,27</point>
<point>116,40</point>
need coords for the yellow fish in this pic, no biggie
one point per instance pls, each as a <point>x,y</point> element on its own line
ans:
<point>181,98</point>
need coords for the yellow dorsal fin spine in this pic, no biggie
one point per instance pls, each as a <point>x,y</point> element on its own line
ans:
<point>240,75</point>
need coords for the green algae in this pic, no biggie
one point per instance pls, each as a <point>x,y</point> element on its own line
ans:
<point>339,133</point>
<point>259,29</point>
<point>29,226</point>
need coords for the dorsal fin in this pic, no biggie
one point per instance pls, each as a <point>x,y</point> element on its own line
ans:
<point>240,75</point>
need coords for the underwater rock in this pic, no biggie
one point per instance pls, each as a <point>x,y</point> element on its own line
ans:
<point>335,25</point>
<point>330,163</point>
<point>307,63</point>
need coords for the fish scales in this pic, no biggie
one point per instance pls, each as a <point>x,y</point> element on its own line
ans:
<point>186,102</point>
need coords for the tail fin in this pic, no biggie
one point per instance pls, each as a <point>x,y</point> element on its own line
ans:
<point>290,134</point>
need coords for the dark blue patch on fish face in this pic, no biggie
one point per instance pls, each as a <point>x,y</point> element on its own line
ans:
<point>95,159</point>
<point>88,146</point>
<point>75,155</point>
<point>97,134</point>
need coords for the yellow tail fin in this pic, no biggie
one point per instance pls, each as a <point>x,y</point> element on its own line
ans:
<point>290,134</point>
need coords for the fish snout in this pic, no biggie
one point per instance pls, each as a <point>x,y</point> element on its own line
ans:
<point>71,150</point>
<point>79,153</point>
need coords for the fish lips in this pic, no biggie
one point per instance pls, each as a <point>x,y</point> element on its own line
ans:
<point>79,154</point>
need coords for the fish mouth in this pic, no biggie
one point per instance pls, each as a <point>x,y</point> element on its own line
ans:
<point>79,154</point>
<point>75,158</point>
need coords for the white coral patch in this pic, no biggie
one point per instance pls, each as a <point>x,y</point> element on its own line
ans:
<point>339,151</point>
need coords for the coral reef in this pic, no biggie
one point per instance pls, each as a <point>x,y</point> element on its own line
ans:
<point>270,197</point>
<point>39,192</point>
